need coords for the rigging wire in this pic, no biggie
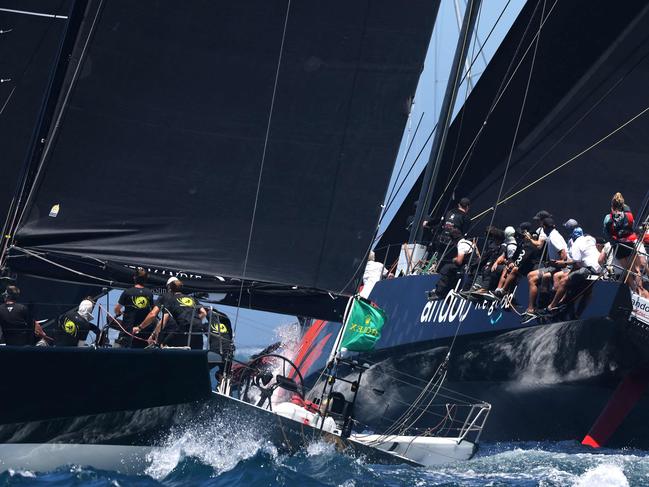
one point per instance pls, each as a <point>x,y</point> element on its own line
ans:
<point>61,266</point>
<point>474,60</point>
<point>566,133</point>
<point>263,160</point>
<point>513,144</point>
<point>403,160</point>
<point>55,128</point>
<point>20,185</point>
<point>499,95</point>
<point>565,163</point>
<point>467,90</point>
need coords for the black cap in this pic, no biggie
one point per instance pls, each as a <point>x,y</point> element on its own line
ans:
<point>542,214</point>
<point>548,222</point>
<point>525,227</point>
<point>465,202</point>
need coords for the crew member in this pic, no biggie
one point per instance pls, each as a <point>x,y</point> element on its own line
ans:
<point>182,314</point>
<point>134,305</point>
<point>374,272</point>
<point>73,326</point>
<point>525,258</point>
<point>584,259</point>
<point>17,325</point>
<point>456,218</point>
<point>450,273</point>
<point>557,251</point>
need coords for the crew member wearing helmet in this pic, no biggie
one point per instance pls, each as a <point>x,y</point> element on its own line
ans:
<point>182,315</point>
<point>73,327</point>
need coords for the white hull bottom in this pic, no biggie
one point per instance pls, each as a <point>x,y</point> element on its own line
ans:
<point>49,456</point>
<point>428,451</point>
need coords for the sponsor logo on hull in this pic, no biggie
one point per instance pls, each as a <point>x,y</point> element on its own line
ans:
<point>455,308</point>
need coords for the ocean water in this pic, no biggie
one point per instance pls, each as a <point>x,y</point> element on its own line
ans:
<point>202,460</point>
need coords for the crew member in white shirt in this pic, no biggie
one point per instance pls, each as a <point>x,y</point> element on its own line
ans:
<point>557,253</point>
<point>585,261</point>
<point>374,272</point>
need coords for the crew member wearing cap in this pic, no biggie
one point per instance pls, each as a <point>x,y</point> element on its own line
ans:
<point>181,314</point>
<point>574,230</point>
<point>73,327</point>
<point>134,304</point>
<point>17,326</point>
<point>557,253</point>
<point>540,232</point>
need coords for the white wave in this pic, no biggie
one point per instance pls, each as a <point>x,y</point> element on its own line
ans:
<point>21,473</point>
<point>320,447</point>
<point>290,335</point>
<point>606,475</point>
<point>221,445</point>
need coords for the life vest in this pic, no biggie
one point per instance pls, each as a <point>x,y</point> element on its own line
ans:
<point>619,225</point>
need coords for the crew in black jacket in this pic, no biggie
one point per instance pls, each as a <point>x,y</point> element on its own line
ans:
<point>17,325</point>
<point>134,305</point>
<point>182,314</point>
<point>73,327</point>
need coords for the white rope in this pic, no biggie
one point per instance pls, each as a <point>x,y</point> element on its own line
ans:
<point>56,264</point>
<point>261,168</point>
<point>4,105</point>
<point>35,14</point>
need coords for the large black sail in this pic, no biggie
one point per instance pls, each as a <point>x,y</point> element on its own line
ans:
<point>180,128</point>
<point>30,44</point>
<point>33,46</point>
<point>586,83</point>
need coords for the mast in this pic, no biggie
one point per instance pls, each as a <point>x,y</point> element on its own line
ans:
<point>446,112</point>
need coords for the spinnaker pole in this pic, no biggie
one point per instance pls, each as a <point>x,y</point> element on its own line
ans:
<point>446,112</point>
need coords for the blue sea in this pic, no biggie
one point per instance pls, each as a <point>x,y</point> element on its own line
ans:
<point>204,461</point>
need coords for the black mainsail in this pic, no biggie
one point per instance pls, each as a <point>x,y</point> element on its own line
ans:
<point>250,141</point>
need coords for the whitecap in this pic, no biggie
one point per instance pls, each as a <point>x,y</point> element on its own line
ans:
<point>605,475</point>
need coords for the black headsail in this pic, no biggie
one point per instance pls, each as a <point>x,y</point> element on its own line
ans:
<point>586,85</point>
<point>250,140</point>
<point>35,39</point>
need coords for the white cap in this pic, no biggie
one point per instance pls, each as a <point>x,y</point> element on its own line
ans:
<point>509,232</point>
<point>172,279</point>
<point>570,224</point>
<point>85,309</point>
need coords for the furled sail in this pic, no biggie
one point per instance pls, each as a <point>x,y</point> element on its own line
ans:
<point>583,133</point>
<point>251,140</point>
